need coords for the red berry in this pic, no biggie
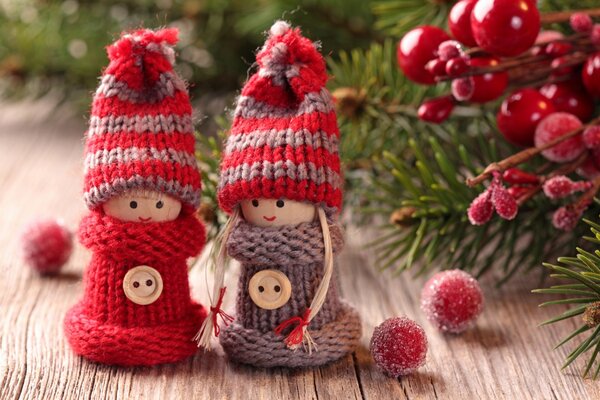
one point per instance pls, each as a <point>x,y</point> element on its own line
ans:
<point>517,191</point>
<point>560,66</point>
<point>589,169</point>
<point>399,346</point>
<point>554,126</point>
<point>505,205</point>
<point>505,27</point>
<point>459,22</point>
<point>591,137</point>
<point>449,49</point>
<point>591,75</point>
<point>569,97</point>
<point>452,300</point>
<point>436,67</point>
<point>581,22</point>
<point>47,245</point>
<point>463,88</point>
<point>558,48</point>
<point>418,47</point>
<point>436,110</point>
<point>519,177</point>
<point>560,186</point>
<point>456,66</point>
<point>481,209</point>
<point>520,113</point>
<point>490,86</point>
<point>566,218</point>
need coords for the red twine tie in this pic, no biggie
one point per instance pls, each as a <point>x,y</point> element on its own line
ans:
<point>217,310</point>
<point>297,334</point>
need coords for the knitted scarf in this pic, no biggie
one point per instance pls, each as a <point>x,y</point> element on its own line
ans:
<point>142,242</point>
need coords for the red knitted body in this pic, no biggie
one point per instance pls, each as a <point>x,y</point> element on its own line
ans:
<point>108,327</point>
<point>284,139</point>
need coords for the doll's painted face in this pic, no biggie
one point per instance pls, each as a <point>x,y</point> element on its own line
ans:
<point>269,212</point>
<point>143,206</point>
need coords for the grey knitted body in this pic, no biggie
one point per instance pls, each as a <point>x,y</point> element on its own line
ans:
<point>298,252</point>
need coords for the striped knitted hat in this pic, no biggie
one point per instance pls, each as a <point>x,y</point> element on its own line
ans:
<point>140,134</point>
<point>284,138</point>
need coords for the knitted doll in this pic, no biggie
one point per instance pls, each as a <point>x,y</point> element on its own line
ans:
<point>281,183</point>
<point>142,188</point>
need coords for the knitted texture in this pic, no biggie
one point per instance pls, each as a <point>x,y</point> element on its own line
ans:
<point>284,139</point>
<point>140,132</point>
<point>108,327</point>
<point>298,252</point>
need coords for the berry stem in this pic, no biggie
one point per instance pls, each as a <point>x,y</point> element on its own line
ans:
<point>524,155</point>
<point>563,16</point>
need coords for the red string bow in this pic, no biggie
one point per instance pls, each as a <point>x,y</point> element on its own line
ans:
<point>297,334</point>
<point>218,311</point>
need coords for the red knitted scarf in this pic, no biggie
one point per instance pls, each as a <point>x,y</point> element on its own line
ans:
<point>142,242</point>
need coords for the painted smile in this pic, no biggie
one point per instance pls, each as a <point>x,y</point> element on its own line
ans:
<point>145,219</point>
<point>270,219</point>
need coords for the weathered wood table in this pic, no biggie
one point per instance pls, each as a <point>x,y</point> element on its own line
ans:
<point>505,356</point>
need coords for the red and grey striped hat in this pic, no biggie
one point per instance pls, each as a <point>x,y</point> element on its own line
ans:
<point>140,133</point>
<point>284,139</point>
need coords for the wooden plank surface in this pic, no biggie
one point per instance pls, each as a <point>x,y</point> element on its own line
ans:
<point>506,356</point>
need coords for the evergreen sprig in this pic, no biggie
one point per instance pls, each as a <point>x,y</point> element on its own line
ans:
<point>582,293</point>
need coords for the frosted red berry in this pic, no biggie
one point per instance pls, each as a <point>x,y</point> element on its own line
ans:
<point>591,137</point>
<point>459,22</point>
<point>554,126</point>
<point>566,218</point>
<point>561,186</point>
<point>399,346</point>
<point>452,300</point>
<point>581,22</point>
<point>481,209</point>
<point>416,49</point>
<point>589,169</point>
<point>463,88</point>
<point>520,113</point>
<point>505,27</point>
<point>505,205</point>
<point>591,75</point>
<point>47,245</point>
<point>449,49</point>
<point>456,66</point>
<point>571,97</point>
<point>489,86</point>
<point>436,110</point>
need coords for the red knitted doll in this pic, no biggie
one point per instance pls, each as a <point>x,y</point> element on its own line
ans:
<point>281,182</point>
<point>142,188</point>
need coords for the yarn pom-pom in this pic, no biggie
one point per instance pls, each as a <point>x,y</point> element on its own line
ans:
<point>47,245</point>
<point>452,300</point>
<point>399,346</point>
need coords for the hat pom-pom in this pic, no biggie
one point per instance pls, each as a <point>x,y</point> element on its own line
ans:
<point>279,28</point>
<point>142,40</point>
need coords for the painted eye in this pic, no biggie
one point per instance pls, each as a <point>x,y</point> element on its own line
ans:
<point>280,203</point>
<point>255,203</point>
<point>133,204</point>
<point>159,204</point>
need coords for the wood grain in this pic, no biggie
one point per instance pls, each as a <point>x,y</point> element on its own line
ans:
<point>506,356</point>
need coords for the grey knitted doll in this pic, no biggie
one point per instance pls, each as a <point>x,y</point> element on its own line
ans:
<point>281,183</point>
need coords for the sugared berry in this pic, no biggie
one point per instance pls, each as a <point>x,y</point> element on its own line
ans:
<point>591,137</point>
<point>561,186</point>
<point>47,245</point>
<point>481,209</point>
<point>505,205</point>
<point>554,126</point>
<point>591,75</point>
<point>581,22</point>
<point>463,88</point>
<point>589,169</point>
<point>449,49</point>
<point>418,47</point>
<point>520,113</point>
<point>571,97</point>
<point>566,218</point>
<point>489,86</point>
<point>399,346</point>
<point>505,27</point>
<point>436,110</point>
<point>452,300</point>
<point>459,22</point>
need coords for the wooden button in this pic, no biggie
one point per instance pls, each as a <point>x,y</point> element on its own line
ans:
<point>142,285</point>
<point>269,289</point>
